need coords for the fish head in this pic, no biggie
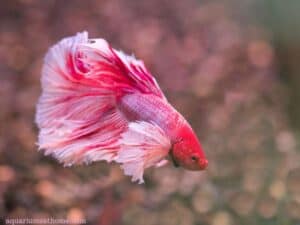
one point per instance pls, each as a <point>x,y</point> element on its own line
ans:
<point>187,151</point>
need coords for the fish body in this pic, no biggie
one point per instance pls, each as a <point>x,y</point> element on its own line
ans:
<point>146,107</point>
<point>100,104</point>
<point>141,107</point>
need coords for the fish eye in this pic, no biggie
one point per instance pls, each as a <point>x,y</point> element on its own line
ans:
<point>194,158</point>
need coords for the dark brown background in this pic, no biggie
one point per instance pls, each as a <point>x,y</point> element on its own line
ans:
<point>230,67</point>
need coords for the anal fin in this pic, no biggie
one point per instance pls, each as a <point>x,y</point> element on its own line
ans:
<point>143,145</point>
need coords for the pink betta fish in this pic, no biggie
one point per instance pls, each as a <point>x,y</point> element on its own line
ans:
<point>99,104</point>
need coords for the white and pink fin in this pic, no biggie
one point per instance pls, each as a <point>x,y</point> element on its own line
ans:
<point>143,145</point>
<point>77,117</point>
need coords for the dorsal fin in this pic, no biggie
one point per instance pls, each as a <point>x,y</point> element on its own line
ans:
<point>115,70</point>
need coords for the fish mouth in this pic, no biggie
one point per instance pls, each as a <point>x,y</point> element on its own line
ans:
<point>203,163</point>
<point>175,163</point>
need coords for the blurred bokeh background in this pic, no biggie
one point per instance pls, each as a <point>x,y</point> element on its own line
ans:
<point>230,67</point>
